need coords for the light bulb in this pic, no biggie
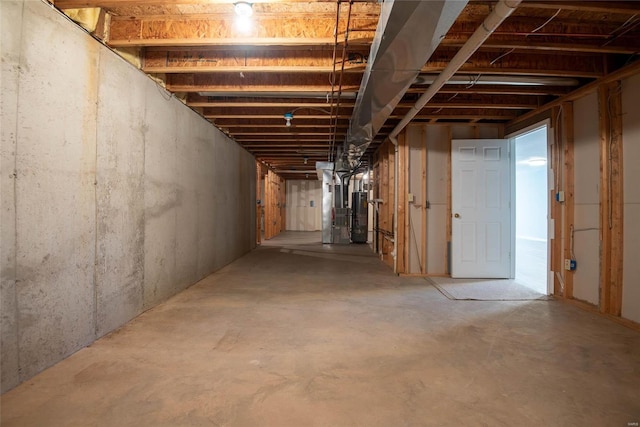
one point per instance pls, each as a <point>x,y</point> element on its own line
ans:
<point>243,9</point>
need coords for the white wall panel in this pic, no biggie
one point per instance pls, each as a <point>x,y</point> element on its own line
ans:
<point>586,199</point>
<point>439,153</point>
<point>631,173</point>
<point>416,139</point>
<point>301,215</point>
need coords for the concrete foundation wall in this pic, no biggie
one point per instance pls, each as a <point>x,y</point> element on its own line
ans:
<point>114,195</point>
<point>631,173</point>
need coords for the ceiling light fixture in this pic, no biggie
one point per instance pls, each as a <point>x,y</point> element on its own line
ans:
<point>288,117</point>
<point>243,9</point>
<point>243,22</point>
<point>534,161</point>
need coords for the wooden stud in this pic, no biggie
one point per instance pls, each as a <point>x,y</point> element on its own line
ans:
<point>611,198</point>
<point>557,265</point>
<point>622,73</point>
<point>384,208</point>
<point>401,240</point>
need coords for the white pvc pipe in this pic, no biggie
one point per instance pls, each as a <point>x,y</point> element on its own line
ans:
<point>503,9</point>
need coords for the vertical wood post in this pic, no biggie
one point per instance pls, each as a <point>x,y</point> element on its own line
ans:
<point>611,197</point>
<point>555,207</point>
<point>401,240</point>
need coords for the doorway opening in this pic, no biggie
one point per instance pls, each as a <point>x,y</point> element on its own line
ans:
<point>532,209</point>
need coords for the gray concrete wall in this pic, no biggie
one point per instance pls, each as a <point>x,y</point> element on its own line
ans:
<point>122,196</point>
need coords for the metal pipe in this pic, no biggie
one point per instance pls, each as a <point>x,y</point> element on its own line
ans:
<point>503,9</point>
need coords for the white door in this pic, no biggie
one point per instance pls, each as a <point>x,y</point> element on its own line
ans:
<point>481,208</point>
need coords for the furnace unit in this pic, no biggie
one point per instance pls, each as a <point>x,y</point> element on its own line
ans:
<point>359,217</point>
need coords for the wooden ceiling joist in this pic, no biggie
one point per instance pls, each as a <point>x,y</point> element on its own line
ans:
<point>285,30</point>
<point>621,7</point>
<point>215,61</point>
<point>292,60</point>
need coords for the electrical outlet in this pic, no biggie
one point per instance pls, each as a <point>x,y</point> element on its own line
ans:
<point>410,198</point>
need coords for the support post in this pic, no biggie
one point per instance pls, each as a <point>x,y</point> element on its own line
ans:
<point>611,197</point>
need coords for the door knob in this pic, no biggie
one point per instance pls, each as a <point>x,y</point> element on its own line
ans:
<point>457,215</point>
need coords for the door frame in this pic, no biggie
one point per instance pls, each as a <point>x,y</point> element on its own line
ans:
<point>550,185</point>
<point>510,246</point>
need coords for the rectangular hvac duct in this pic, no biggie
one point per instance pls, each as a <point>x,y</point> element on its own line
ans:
<point>408,33</point>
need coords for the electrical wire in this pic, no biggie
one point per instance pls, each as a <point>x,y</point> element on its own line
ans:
<point>527,35</point>
<point>502,56</point>
<point>545,24</point>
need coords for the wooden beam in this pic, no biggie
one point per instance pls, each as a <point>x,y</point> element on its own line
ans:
<point>265,104</point>
<point>284,133</point>
<point>251,69</point>
<point>499,90</point>
<point>246,60</point>
<point>586,27</point>
<point>320,127</point>
<point>517,63</point>
<point>523,45</point>
<point>259,82</point>
<point>263,6</point>
<point>622,7</point>
<point>611,197</point>
<point>212,30</point>
<point>620,74</point>
<point>275,111</point>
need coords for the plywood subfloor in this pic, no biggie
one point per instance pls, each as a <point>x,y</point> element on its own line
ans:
<point>281,338</point>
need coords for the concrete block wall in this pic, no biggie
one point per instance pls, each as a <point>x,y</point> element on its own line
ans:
<point>114,195</point>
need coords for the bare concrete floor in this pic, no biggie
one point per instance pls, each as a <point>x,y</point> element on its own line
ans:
<point>300,334</point>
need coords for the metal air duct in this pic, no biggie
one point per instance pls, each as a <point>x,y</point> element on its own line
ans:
<point>408,32</point>
<point>502,10</point>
